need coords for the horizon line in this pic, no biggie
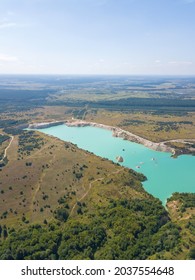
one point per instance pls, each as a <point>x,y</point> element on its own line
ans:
<point>122,75</point>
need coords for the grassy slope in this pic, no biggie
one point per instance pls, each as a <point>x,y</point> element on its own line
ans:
<point>98,196</point>
<point>182,212</point>
<point>52,174</point>
<point>110,215</point>
<point>148,125</point>
<point>154,126</point>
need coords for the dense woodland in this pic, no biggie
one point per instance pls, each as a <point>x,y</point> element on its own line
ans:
<point>125,229</point>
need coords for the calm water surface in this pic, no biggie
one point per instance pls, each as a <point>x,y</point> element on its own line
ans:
<point>165,174</point>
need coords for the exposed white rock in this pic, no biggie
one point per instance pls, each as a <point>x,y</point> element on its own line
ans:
<point>118,132</point>
<point>119,159</point>
<point>44,125</point>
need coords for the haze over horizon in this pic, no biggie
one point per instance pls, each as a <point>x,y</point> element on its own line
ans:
<point>97,37</point>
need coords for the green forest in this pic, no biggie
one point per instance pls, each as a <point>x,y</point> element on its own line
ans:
<point>124,229</point>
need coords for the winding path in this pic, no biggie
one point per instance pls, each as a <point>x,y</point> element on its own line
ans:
<point>5,152</point>
<point>90,186</point>
<point>42,176</point>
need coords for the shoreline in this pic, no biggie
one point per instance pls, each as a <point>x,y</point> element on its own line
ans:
<point>126,135</point>
<point>45,124</point>
<point>116,132</point>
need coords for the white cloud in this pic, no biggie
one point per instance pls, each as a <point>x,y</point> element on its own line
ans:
<point>180,62</point>
<point>8,58</point>
<point>7,24</point>
<point>157,61</point>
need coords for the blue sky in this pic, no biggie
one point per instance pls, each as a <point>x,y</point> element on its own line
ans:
<point>97,37</point>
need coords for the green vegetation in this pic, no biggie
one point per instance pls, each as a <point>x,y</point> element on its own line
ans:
<point>115,219</point>
<point>123,230</point>
<point>111,92</point>
<point>3,162</point>
<point>60,202</point>
<point>3,145</point>
<point>185,199</point>
<point>4,142</point>
<point>11,126</point>
<point>3,138</point>
<point>181,207</point>
<point>29,141</point>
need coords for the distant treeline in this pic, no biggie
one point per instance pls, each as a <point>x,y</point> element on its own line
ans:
<point>150,103</point>
<point>22,94</point>
<point>135,103</point>
<point>12,126</point>
<point>13,100</point>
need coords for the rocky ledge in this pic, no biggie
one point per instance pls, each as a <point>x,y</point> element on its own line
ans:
<point>44,125</point>
<point>126,135</point>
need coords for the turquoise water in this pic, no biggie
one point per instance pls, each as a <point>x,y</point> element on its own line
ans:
<point>165,174</point>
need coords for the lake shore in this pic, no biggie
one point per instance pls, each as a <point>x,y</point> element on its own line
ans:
<point>126,135</point>
<point>116,132</point>
<point>44,124</point>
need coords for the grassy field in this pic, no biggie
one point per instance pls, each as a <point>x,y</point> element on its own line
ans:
<point>152,125</point>
<point>149,125</point>
<point>32,183</point>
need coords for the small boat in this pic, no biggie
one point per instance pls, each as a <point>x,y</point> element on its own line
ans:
<point>138,166</point>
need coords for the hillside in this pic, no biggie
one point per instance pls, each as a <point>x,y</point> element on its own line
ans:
<point>60,202</point>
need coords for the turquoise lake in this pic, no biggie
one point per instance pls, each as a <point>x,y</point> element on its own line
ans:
<point>165,174</point>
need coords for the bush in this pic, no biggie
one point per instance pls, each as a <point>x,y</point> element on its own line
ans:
<point>61,214</point>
